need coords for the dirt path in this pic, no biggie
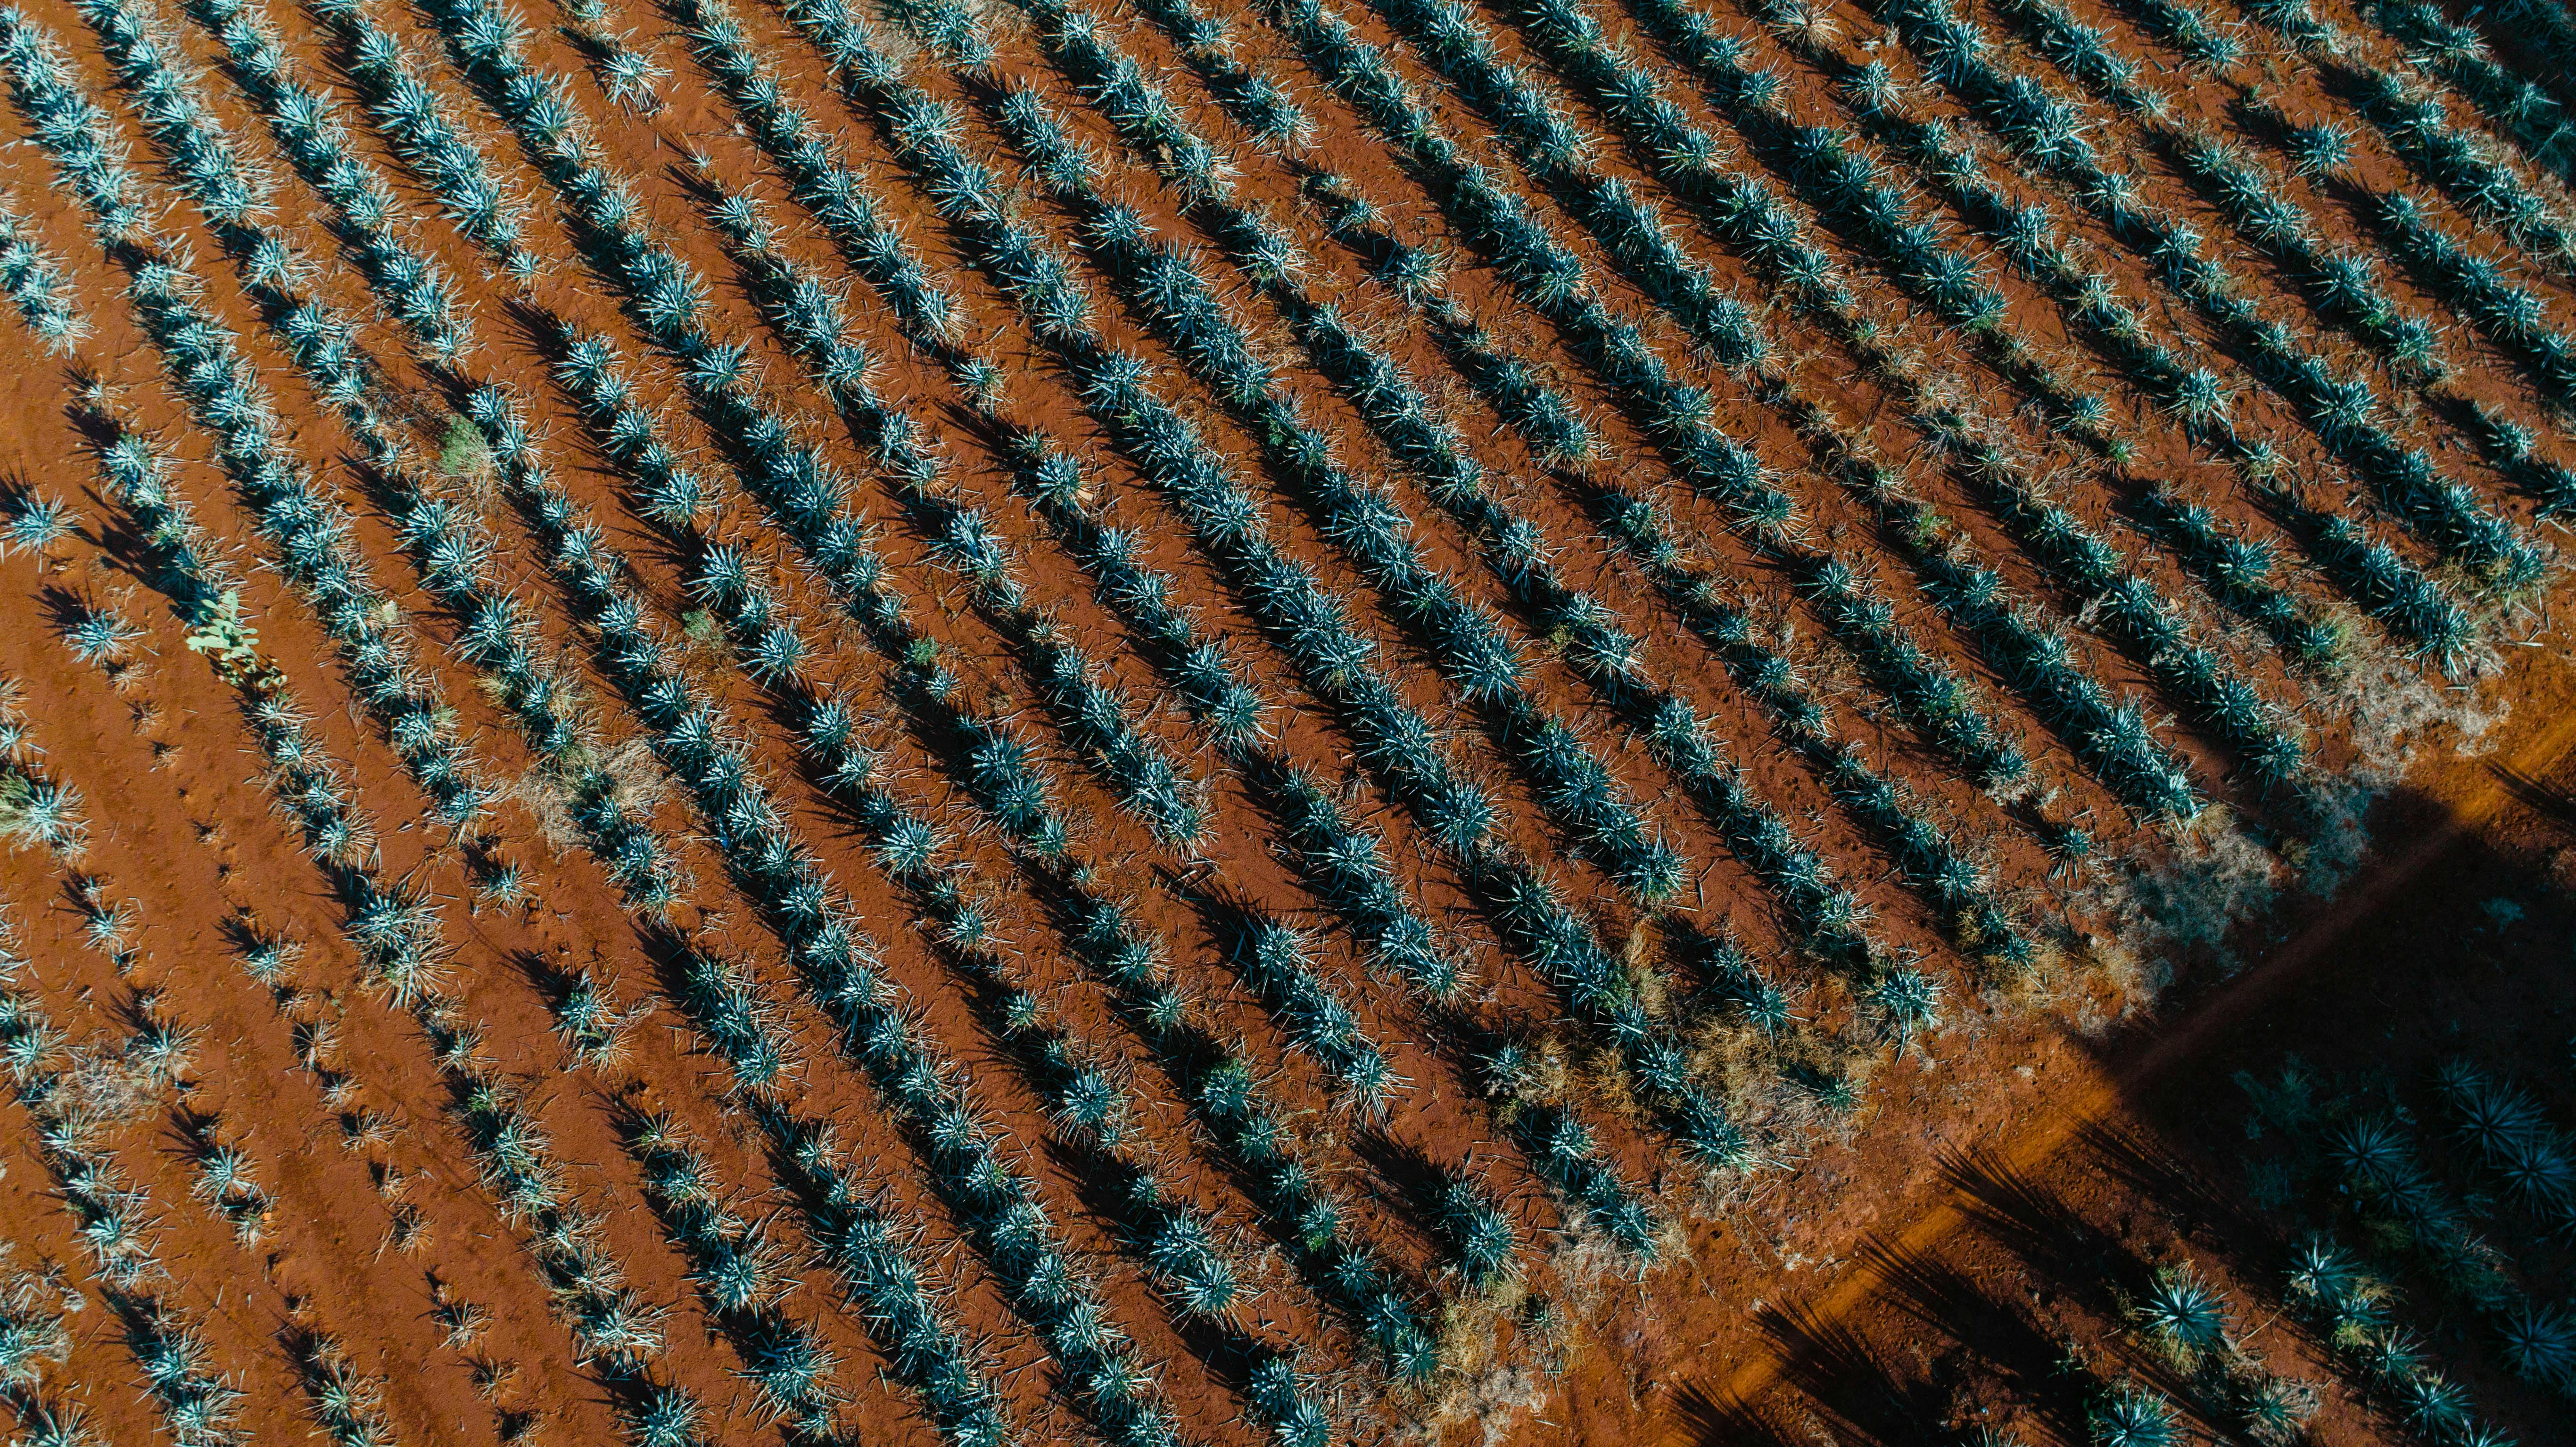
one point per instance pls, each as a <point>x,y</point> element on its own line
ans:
<point>2472,790</point>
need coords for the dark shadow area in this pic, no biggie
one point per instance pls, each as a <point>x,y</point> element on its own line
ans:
<point>2029,1218</point>
<point>1860,1394</point>
<point>2002,1336</point>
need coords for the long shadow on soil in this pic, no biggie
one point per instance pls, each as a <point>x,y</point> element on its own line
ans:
<point>1850,1391</point>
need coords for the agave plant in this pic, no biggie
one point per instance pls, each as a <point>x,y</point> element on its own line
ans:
<point>2540,1344</point>
<point>2129,1416</point>
<point>1910,1000</point>
<point>199,1406</point>
<point>2432,1405</point>
<point>2183,1312</point>
<point>630,77</point>
<point>32,1335</point>
<point>97,633</point>
<point>35,284</point>
<point>36,811</point>
<point>662,1416</point>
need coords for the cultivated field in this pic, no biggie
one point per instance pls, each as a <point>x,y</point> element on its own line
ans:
<point>740,721</point>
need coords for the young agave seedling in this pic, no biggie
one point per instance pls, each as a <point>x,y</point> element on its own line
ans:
<point>198,1404</point>
<point>592,1023</point>
<point>504,884</point>
<point>2321,149</point>
<point>31,1334</point>
<point>267,958</point>
<point>39,811</point>
<point>631,77</point>
<point>33,523</point>
<point>227,1183</point>
<point>1482,1239</point>
<point>664,1417</point>
<point>346,1402</point>
<point>1911,1001</point>
<point>160,1051</point>
<point>98,634</point>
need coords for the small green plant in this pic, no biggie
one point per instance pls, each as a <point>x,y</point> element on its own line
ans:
<point>463,451</point>
<point>233,643</point>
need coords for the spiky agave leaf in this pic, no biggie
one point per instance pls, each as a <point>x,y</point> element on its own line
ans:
<point>2183,1311</point>
<point>2129,1416</point>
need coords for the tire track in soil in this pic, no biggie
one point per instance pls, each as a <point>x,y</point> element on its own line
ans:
<point>2473,791</point>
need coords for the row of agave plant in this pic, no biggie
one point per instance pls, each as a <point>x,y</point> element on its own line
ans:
<point>1292,991</point>
<point>449,574</point>
<point>2236,572</point>
<point>1255,247</point>
<point>1366,526</point>
<point>1603,652</point>
<point>2087,567</point>
<point>82,1087</point>
<point>396,932</point>
<point>1429,449</point>
<point>2374,578</point>
<point>115,1220</point>
<point>769,632</point>
<point>873,1255</point>
<point>452,552</point>
<point>1083,1095</point>
<point>1195,174</point>
<point>1559,1150</point>
<point>610,1328</point>
<point>427,143</point>
<point>496,426</point>
<point>1314,628</point>
<point>909,848</point>
<point>309,531</point>
<point>2341,288</point>
<point>1837,173</point>
<point>1550,279</point>
<point>62,1079</point>
<point>2021,645</point>
<point>2343,409</point>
